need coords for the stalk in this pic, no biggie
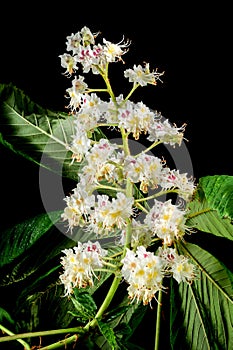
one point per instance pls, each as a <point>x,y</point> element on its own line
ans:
<point>105,304</point>
<point>158,320</point>
<point>38,334</point>
<point>5,330</point>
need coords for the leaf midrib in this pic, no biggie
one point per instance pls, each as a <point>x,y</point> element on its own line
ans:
<point>41,131</point>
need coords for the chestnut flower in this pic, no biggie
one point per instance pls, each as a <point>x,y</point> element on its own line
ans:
<point>142,76</point>
<point>108,199</point>
<point>144,272</point>
<point>78,265</point>
<point>166,221</point>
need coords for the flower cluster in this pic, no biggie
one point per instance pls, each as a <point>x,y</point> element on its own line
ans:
<point>167,221</point>
<point>106,199</point>
<point>79,264</point>
<point>144,271</point>
<point>101,216</point>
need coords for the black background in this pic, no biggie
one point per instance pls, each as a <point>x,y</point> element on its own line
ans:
<point>191,43</point>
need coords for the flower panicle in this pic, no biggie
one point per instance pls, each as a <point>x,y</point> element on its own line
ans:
<point>116,185</point>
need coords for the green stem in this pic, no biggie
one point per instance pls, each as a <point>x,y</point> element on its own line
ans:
<point>107,263</point>
<point>156,143</point>
<point>124,136</point>
<point>131,92</point>
<point>139,206</point>
<point>11,334</point>
<point>107,124</point>
<point>103,187</point>
<point>158,320</point>
<point>61,343</point>
<point>106,302</point>
<point>97,90</point>
<point>112,257</point>
<point>105,270</point>
<point>193,215</point>
<point>108,85</point>
<point>38,334</point>
<point>160,193</point>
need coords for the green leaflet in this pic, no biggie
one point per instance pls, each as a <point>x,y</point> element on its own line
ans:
<point>218,191</point>
<point>202,313</point>
<point>108,334</point>
<point>45,307</point>
<point>38,134</point>
<point>19,238</point>
<point>211,209</point>
<point>21,252</point>
<point>84,305</point>
<point>4,315</point>
<point>123,319</point>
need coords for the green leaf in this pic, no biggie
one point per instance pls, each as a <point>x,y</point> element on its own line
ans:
<point>43,309</point>
<point>84,298</point>
<point>118,311</point>
<point>211,209</point>
<point>218,191</point>
<point>19,238</point>
<point>38,134</point>
<point>84,305</point>
<point>130,346</point>
<point>22,255</point>
<point>5,316</point>
<point>123,319</point>
<point>108,334</point>
<point>202,313</point>
<point>135,316</point>
<point>132,315</point>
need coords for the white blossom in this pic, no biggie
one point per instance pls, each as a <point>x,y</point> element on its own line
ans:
<point>113,52</point>
<point>69,63</point>
<point>135,118</point>
<point>175,179</point>
<point>110,215</point>
<point>165,132</point>
<point>142,76</point>
<point>112,168</point>
<point>144,168</point>
<point>78,265</point>
<point>166,221</point>
<point>143,271</point>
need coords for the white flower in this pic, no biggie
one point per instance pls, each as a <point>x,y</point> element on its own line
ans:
<point>134,169</point>
<point>101,152</point>
<point>143,271</point>
<point>135,118</point>
<point>73,42</point>
<point>82,38</point>
<point>144,168</point>
<point>142,76</point>
<point>110,215</point>
<point>79,205</point>
<point>75,93</point>
<point>113,52</point>
<point>165,132</point>
<point>177,265</point>
<point>166,221</point>
<point>68,62</point>
<point>80,144</point>
<point>182,270</point>
<point>87,36</point>
<point>78,265</point>
<point>174,179</point>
